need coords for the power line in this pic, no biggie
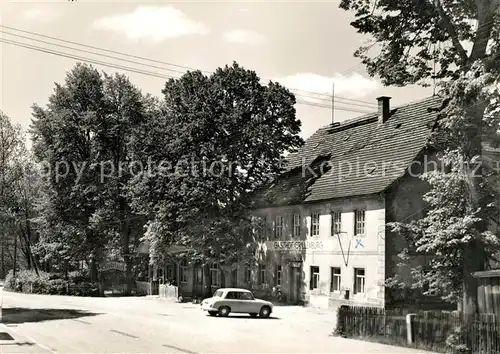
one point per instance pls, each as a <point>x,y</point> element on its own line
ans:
<point>135,57</point>
<point>88,60</point>
<point>128,68</point>
<point>336,108</point>
<point>101,49</point>
<point>339,100</point>
<point>94,53</point>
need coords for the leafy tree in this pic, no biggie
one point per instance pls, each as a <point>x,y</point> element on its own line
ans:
<point>63,141</point>
<point>82,138</point>
<point>457,43</point>
<point>17,193</point>
<point>222,137</point>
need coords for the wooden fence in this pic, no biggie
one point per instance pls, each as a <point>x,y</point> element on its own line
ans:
<point>488,291</point>
<point>429,330</point>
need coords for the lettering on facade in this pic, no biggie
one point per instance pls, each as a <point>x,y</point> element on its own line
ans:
<point>294,245</point>
<point>113,265</point>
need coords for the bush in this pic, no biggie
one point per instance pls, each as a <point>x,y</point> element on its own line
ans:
<point>79,276</point>
<point>10,281</point>
<point>57,287</point>
<point>27,281</point>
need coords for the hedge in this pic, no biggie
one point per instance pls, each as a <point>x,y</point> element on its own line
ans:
<point>27,281</point>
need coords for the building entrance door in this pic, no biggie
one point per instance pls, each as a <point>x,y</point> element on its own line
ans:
<point>295,283</point>
<point>198,281</point>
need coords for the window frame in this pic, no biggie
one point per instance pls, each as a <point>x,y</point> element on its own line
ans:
<point>183,268</point>
<point>279,273</point>
<point>234,276</point>
<point>359,225</point>
<point>250,295</point>
<point>262,274</point>
<point>248,275</point>
<point>315,226</point>
<point>215,268</point>
<point>335,279</point>
<point>314,277</point>
<point>336,225</point>
<point>362,281</point>
<point>297,225</point>
<point>278,226</point>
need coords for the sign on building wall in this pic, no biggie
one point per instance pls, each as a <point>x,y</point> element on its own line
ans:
<point>294,245</point>
<point>113,265</point>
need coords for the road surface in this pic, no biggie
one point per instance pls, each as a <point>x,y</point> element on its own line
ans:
<point>61,324</point>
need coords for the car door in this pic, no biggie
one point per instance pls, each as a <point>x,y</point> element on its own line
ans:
<point>248,304</point>
<point>231,300</point>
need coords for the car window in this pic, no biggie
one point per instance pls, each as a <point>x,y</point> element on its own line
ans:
<point>245,296</point>
<point>218,293</point>
<point>232,295</point>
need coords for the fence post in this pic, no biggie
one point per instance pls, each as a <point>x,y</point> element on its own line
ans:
<point>410,334</point>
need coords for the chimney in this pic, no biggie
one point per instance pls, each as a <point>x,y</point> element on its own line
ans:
<point>383,108</point>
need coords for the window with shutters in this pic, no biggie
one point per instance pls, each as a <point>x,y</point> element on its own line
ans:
<point>314,281</point>
<point>335,280</point>
<point>359,280</point>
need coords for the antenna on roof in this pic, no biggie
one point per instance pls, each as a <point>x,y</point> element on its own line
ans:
<point>333,101</point>
<point>434,71</point>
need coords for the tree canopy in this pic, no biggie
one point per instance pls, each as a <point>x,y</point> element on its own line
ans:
<point>223,136</point>
<point>81,140</point>
<point>456,43</point>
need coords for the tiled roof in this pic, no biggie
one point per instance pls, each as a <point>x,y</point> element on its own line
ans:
<point>364,157</point>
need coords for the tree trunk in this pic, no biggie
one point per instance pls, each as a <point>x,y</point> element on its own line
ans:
<point>15,255</point>
<point>125,238</point>
<point>29,237</point>
<point>93,268</point>
<point>2,256</point>
<point>66,269</point>
<point>208,281</point>
<point>474,255</point>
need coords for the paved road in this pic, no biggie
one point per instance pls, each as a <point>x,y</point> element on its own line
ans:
<point>61,324</point>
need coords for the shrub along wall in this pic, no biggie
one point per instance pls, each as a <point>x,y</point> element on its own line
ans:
<point>27,281</point>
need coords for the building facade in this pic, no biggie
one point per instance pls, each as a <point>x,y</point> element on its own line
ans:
<point>346,185</point>
<point>327,241</point>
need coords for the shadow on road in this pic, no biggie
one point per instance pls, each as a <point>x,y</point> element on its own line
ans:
<point>15,315</point>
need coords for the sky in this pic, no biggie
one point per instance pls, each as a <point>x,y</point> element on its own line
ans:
<point>303,45</point>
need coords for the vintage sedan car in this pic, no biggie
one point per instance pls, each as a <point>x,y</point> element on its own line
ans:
<point>234,300</point>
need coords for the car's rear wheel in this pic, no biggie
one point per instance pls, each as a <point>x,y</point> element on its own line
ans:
<point>265,311</point>
<point>224,311</point>
<point>212,313</point>
<point>253,314</point>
